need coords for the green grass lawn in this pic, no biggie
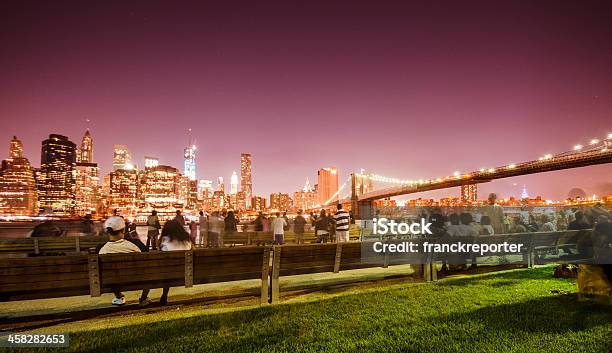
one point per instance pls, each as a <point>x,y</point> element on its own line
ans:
<point>524,310</point>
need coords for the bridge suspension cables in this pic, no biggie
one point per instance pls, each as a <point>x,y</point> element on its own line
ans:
<point>335,197</point>
<point>597,151</point>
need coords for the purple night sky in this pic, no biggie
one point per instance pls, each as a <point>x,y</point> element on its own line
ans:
<point>412,91</point>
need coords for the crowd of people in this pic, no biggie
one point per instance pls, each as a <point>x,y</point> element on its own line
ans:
<point>491,219</point>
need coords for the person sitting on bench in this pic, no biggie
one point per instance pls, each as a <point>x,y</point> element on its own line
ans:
<point>115,227</point>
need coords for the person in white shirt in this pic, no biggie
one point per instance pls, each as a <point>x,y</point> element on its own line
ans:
<point>174,237</point>
<point>278,228</point>
<point>115,227</point>
<point>216,225</point>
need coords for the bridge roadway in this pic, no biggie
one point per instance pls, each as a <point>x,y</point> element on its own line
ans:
<point>553,163</point>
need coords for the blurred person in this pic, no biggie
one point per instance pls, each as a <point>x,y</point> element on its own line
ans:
<point>547,224</point>
<point>286,220</point>
<point>487,228</point>
<point>203,229</point>
<point>174,237</point>
<point>231,223</point>
<point>153,228</point>
<point>258,222</point>
<point>278,229</point>
<point>322,228</point>
<point>115,227</point>
<point>87,225</point>
<point>517,226</point>
<point>453,227</point>
<point>466,225</point>
<point>193,231</point>
<point>579,222</point>
<point>265,223</point>
<point>342,222</point>
<point>179,217</point>
<point>495,213</point>
<point>46,229</point>
<point>298,227</point>
<point>216,224</point>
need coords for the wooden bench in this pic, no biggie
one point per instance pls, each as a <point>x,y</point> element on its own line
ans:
<point>43,277</point>
<point>44,245</point>
<point>288,260</point>
<point>61,276</point>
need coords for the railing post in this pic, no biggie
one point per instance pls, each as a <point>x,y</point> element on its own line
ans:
<point>36,247</point>
<point>189,269</point>
<point>77,244</point>
<point>338,258</point>
<point>275,274</point>
<point>433,268</point>
<point>265,277</point>
<point>93,266</point>
<point>386,259</point>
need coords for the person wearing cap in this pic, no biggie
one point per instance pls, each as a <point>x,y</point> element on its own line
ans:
<point>117,244</point>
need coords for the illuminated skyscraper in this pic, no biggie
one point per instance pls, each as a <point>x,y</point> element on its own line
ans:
<point>220,184</point>
<point>85,151</point>
<point>87,177</point>
<point>246,182</point>
<point>124,192</point>
<point>234,184</point>
<point>280,201</point>
<point>160,189</point>
<point>57,175</point>
<point>18,194</point>
<point>524,194</point>
<point>151,162</point>
<point>327,184</point>
<point>469,193</point>
<point>190,160</point>
<point>205,188</point>
<point>306,198</point>
<point>258,203</point>
<point>122,158</point>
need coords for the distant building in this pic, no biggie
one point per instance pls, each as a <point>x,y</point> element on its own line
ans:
<point>246,182</point>
<point>258,203</point>
<point>124,192</point>
<point>386,202</point>
<point>56,181</point>
<point>327,184</point>
<point>18,193</point>
<point>87,178</point>
<point>87,191</point>
<point>190,162</point>
<point>234,184</point>
<point>469,193</point>
<point>205,193</point>
<point>122,158</point>
<point>220,185</point>
<point>151,162</point>
<point>218,200</point>
<point>524,194</point>
<point>280,201</point>
<point>85,151</point>
<point>306,198</point>
<point>160,189</point>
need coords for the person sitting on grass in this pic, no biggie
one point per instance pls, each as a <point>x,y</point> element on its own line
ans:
<point>173,237</point>
<point>115,227</point>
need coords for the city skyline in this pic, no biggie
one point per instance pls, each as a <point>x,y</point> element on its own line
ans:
<point>365,89</point>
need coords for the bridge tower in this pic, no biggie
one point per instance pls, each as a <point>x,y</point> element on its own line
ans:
<point>360,209</point>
